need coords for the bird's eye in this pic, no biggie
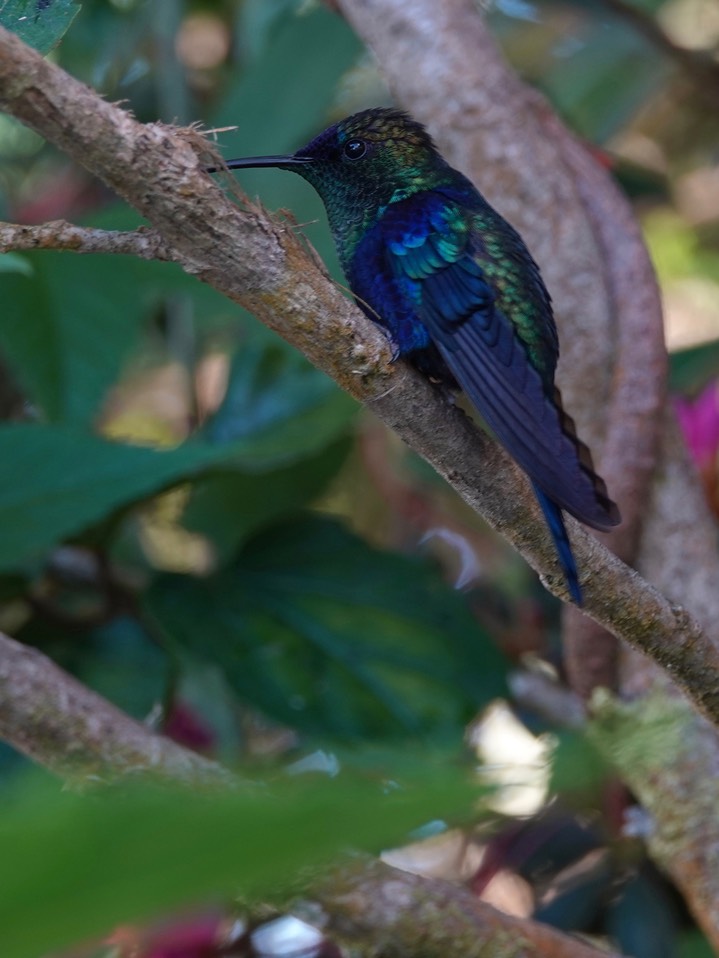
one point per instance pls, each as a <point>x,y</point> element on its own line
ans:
<point>355,149</point>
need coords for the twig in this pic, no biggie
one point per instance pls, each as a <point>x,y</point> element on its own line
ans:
<point>60,235</point>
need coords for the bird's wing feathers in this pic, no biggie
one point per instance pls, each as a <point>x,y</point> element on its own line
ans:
<point>444,265</point>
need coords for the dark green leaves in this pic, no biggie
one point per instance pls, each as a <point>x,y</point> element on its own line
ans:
<point>327,634</point>
<point>278,438</point>
<point>41,23</point>
<point>304,419</point>
<point>68,328</point>
<point>72,867</point>
<point>55,481</point>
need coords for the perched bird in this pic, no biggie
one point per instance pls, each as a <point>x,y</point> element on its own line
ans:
<point>459,295</point>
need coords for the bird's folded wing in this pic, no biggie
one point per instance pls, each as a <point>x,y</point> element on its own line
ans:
<point>441,270</point>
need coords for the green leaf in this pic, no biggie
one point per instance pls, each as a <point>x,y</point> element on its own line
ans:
<point>14,263</point>
<point>40,23</point>
<point>118,661</point>
<point>275,392</point>
<point>278,115</point>
<point>229,507</point>
<point>693,367</point>
<point>692,944</point>
<point>128,857</point>
<point>268,385</point>
<point>55,481</point>
<point>275,395</point>
<point>327,634</point>
<point>68,328</point>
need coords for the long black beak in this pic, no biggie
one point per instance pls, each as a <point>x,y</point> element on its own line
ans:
<point>255,162</point>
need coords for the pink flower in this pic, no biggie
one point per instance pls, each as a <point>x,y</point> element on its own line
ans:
<point>699,420</point>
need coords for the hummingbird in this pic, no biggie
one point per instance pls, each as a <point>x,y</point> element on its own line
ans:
<point>458,294</point>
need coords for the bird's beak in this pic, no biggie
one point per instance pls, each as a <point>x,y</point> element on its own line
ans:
<point>256,162</point>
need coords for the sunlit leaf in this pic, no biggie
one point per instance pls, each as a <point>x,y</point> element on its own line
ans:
<point>14,263</point>
<point>40,23</point>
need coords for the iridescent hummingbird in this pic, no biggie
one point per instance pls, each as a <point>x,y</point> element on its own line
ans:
<point>458,294</point>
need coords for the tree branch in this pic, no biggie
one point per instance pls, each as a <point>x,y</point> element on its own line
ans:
<point>60,235</point>
<point>56,721</point>
<point>669,757</point>
<point>410,915</point>
<point>264,266</point>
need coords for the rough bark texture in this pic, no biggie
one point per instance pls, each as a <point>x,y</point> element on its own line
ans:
<point>59,235</point>
<point>60,723</point>
<point>379,911</point>
<point>668,757</point>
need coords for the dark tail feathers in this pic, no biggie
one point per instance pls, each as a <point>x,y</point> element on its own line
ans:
<point>555,521</point>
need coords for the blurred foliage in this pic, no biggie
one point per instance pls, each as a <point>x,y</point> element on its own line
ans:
<point>163,849</point>
<point>200,526</point>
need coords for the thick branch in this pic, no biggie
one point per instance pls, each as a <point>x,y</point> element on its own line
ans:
<point>55,720</point>
<point>263,266</point>
<point>637,390</point>
<point>669,757</point>
<point>60,235</point>
<point>409,915</point>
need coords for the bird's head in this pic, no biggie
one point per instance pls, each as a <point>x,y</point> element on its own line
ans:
<point>363,163</point>
<point>382,154</point>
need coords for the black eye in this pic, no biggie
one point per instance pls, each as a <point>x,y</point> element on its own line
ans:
<point>355,149</point>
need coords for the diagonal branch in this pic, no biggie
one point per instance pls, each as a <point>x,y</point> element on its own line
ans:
<point>261,264</point>
<point>60,723</point>
<point>410,915</point>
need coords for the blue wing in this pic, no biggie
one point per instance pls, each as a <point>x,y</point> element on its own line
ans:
<point>429,270</point>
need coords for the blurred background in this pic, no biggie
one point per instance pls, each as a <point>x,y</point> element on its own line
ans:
<point>287,585</point>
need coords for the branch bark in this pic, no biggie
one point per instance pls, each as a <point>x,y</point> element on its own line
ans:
<point>263,265</point>
<point>369,902</point>
<point>669,757</point>
<point>60,723</point>
<point>60,235</point>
